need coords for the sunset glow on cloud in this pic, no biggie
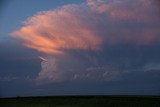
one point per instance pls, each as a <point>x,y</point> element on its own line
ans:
<point>90,26</point>
<point>79,47</point>
<point>77,26</point>
<point>52,32</point>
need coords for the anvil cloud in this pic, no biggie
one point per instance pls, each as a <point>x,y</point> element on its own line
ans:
<point>87,26</point>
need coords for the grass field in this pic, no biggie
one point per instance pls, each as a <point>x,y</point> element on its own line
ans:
<point>82,101</point>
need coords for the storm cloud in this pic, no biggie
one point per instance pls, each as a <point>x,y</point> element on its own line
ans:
<point>77,39</point>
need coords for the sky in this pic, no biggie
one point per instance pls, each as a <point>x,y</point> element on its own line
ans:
<point>79,47</point>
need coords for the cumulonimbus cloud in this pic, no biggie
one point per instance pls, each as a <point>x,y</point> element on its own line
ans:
<point>89,26</point>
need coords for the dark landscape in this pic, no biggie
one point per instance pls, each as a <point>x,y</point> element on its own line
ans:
<point>82,101</point>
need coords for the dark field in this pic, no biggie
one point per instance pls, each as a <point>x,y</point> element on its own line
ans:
<point>82,101</point>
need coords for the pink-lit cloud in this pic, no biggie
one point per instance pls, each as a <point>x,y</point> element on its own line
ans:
<point>89,26</point>
<point>56,30</point>
<point>81,26</point>
<point>126,10</point>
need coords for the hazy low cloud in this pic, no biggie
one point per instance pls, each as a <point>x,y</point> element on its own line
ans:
<point>90,26</point>
<point>57,70</point>
<point>151,66</point>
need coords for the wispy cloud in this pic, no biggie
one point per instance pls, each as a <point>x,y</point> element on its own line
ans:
<point>126,10</point>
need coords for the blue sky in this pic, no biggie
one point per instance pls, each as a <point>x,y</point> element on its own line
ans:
<point>82,47</point>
